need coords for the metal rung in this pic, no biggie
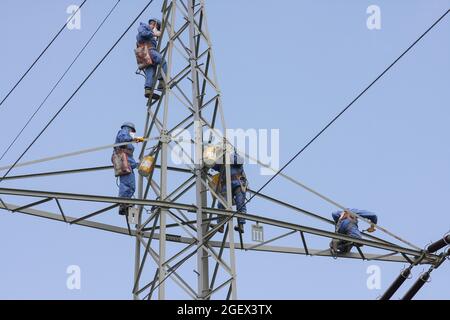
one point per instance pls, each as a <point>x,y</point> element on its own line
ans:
<point>133,213</point>
<point>32,204</point>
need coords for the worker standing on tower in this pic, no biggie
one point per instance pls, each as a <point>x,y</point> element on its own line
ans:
<point>148,58</point>
<point>347,223</point>
<point>239,186</point>
<point>125,164</point>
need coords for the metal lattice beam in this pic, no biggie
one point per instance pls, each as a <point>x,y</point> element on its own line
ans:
<point>389,257</point>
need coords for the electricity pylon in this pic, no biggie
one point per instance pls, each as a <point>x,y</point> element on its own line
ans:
<point>178,195</point>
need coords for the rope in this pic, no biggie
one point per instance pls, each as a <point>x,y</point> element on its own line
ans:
<point>78,88</point>
<point>279,172</point>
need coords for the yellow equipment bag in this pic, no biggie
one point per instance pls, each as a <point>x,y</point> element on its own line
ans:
<point>147,165</point>
<point>211,154</point>
<point>120,162</point>
<point>143,57</point>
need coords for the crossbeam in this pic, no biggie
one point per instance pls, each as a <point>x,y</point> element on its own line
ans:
<point>395,257</point>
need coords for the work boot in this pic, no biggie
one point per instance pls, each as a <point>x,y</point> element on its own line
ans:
<point>239,228</point>
<point>147,93</point>
<point>123,209</point>
<point>219,230</point>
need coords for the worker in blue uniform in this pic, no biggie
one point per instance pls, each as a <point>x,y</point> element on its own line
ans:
<point>149,34</point>
<point>127,183</point>
<point>347,223</point>
<point>239,185</point>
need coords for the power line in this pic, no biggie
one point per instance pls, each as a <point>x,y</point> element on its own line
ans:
<point>73,154</point>
<point>298,183</point>
<point>41,54</point>
<point>173,269</point>
<point>58,82</point>
<point>78,89</point>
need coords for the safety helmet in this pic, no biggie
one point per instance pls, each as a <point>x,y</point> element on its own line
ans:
<point>158,22</point>
<point>129,125</point>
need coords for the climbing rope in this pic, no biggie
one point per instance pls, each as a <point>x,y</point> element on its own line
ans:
<point>42,53</point>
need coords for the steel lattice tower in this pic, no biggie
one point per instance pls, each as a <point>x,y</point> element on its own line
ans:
<point>191,85</point>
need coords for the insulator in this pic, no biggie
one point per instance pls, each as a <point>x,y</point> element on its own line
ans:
<point>438,245</point>
<point>396,284</point>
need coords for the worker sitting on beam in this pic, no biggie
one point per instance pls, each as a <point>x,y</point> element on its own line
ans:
<point>347,223</point>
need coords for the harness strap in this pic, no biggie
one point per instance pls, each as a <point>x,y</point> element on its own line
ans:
<point>149,45</point>
<point>125,150</point>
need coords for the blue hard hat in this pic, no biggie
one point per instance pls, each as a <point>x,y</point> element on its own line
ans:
<point>129,125</point>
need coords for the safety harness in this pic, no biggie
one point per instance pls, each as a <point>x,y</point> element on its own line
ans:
<point>346,216</point>
<point>344,246</point>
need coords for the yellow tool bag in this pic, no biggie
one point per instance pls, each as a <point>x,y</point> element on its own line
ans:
<point>147,166</point>
<point>214,183</point>
<point>143,57</point>
<point>120,162</point>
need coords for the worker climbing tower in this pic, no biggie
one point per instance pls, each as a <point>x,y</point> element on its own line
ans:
<point>174,225</point>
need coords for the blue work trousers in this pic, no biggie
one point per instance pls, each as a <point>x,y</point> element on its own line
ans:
<point>239,199</point>
<point>150,71</point>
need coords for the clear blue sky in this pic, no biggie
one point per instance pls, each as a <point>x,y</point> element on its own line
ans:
<point>389,154</point>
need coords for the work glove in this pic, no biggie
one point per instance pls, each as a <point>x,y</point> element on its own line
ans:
<point>156,32</point>
<point>371,229</point>
<point>139,139</point>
